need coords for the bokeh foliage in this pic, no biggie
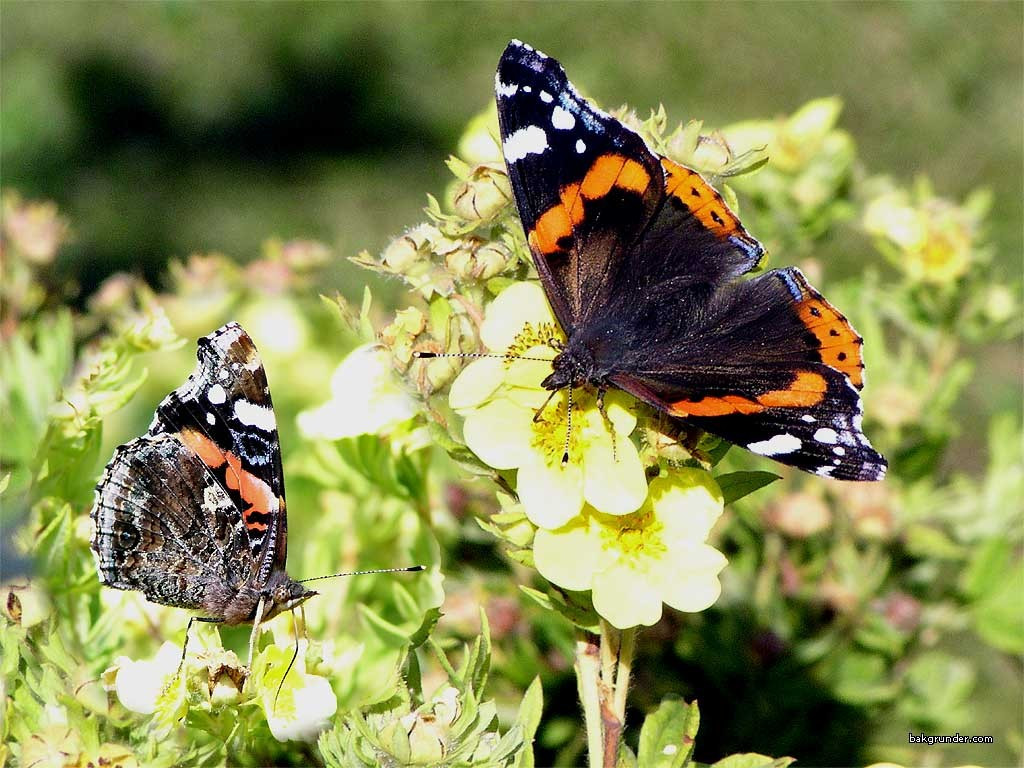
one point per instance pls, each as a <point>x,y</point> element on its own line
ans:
<point>851,614</point>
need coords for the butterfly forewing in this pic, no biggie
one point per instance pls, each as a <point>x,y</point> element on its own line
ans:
<point>225,414</point>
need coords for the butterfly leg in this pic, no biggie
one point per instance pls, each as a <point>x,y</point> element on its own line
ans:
<point>540,411</point>
<point>568,423</point>
<point>184,645</point>
<point>255,629</point>
<point>295,654</point>
<point>601,392</point>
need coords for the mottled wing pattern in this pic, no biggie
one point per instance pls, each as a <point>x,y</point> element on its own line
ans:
<point>224,414</point>
<point>163,526</point>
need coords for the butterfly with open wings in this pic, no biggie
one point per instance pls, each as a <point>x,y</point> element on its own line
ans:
<point>642,263</point>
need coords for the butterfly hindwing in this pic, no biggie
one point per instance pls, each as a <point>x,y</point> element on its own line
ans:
<point>224,414</point>
<point>763,359</point>
<point>165,527</point>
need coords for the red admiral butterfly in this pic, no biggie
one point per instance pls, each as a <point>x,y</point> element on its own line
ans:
<point>192,514</point>
<point>640,260</point>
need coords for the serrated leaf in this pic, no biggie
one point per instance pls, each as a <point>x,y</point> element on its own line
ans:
<point>736,485</point>
<point>668,735</point>
<point>527,719</point>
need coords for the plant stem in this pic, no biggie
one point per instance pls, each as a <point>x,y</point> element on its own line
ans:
<point>627,646</point>
<point>588,672</point>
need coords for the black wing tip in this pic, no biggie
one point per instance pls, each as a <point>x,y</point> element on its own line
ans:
<point>518,53</point>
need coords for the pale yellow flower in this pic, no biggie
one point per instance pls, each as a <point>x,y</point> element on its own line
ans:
<point>139,684</point>
<point>501,402</point>
<point>301,708</point>
<point>634,563</point>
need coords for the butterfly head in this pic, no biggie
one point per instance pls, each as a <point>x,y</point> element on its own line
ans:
<point>574,366</point>
<point>282,593</point>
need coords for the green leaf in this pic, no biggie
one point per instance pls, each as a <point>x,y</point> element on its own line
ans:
<point>986,569</point>
<point>997,614</point>
<point>430,619</point>
<point>668,735</point>
<point>736,485</point>
<point>527,719</point>
<point>752,760</point>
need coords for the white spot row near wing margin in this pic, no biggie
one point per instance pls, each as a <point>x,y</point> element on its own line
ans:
<point>784,443</point>
<point>253,415</point>
<point>530,140</point>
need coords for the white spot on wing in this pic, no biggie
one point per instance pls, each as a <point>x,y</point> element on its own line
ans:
<point>210,419</point>
<point>581,147</point>
<point>527,89</point>
<point>826,435</point>
<point>546,97</point>
<point>526,141</point>
<point>253,415</point>
<point>562,119</point>
<point>222,374</point>
<point>808,418</point>
<point>784,443</point>
<point>216,394</point>
<point>505,89</point>
<point>839,450</point>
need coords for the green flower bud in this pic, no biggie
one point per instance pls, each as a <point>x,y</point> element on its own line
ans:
<point>483,195</point>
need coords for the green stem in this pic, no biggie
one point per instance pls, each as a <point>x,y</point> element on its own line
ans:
<point>627,646</point>
<point>588,672</point>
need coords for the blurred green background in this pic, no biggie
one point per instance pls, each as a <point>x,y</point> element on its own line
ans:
<point>165,128</point>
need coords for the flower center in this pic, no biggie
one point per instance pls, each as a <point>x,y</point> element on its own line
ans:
<point>549,430</point>
<point>634,536</point>
<point>541,335</point>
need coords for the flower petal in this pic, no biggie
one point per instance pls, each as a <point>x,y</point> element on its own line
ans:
<point>530,373</point>
<point>569,556</point>
<point>500,433</point>
<point>517,305</point>
<point>551,495</point>
<point>625,598</point>
<point>688,502</point>
<point>477,382</point>
<point>613,480</point>
<point>688,581</point>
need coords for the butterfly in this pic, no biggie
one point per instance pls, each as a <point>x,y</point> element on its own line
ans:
<point>193,514</point>
<point>642,263</point>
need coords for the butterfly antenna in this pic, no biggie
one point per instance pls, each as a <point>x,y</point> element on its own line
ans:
<point>568,424</point>
<point>430,355</point>
<point>364,573</point>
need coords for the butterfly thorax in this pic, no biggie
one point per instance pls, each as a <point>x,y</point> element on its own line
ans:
<point>281,593</point>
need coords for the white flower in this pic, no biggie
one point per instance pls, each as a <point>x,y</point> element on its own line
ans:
<point>304,708</point>
<point>139,683</point>
<point>367,398</point>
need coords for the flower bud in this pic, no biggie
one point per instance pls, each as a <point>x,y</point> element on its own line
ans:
<point>405,251</point>
<point>483,195</point>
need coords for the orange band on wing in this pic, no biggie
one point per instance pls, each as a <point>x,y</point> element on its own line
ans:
<point>840,344</point>
<point>558,221</point>
<point>254,491</point>
<point>807,389</point>
<point>704,202</point>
